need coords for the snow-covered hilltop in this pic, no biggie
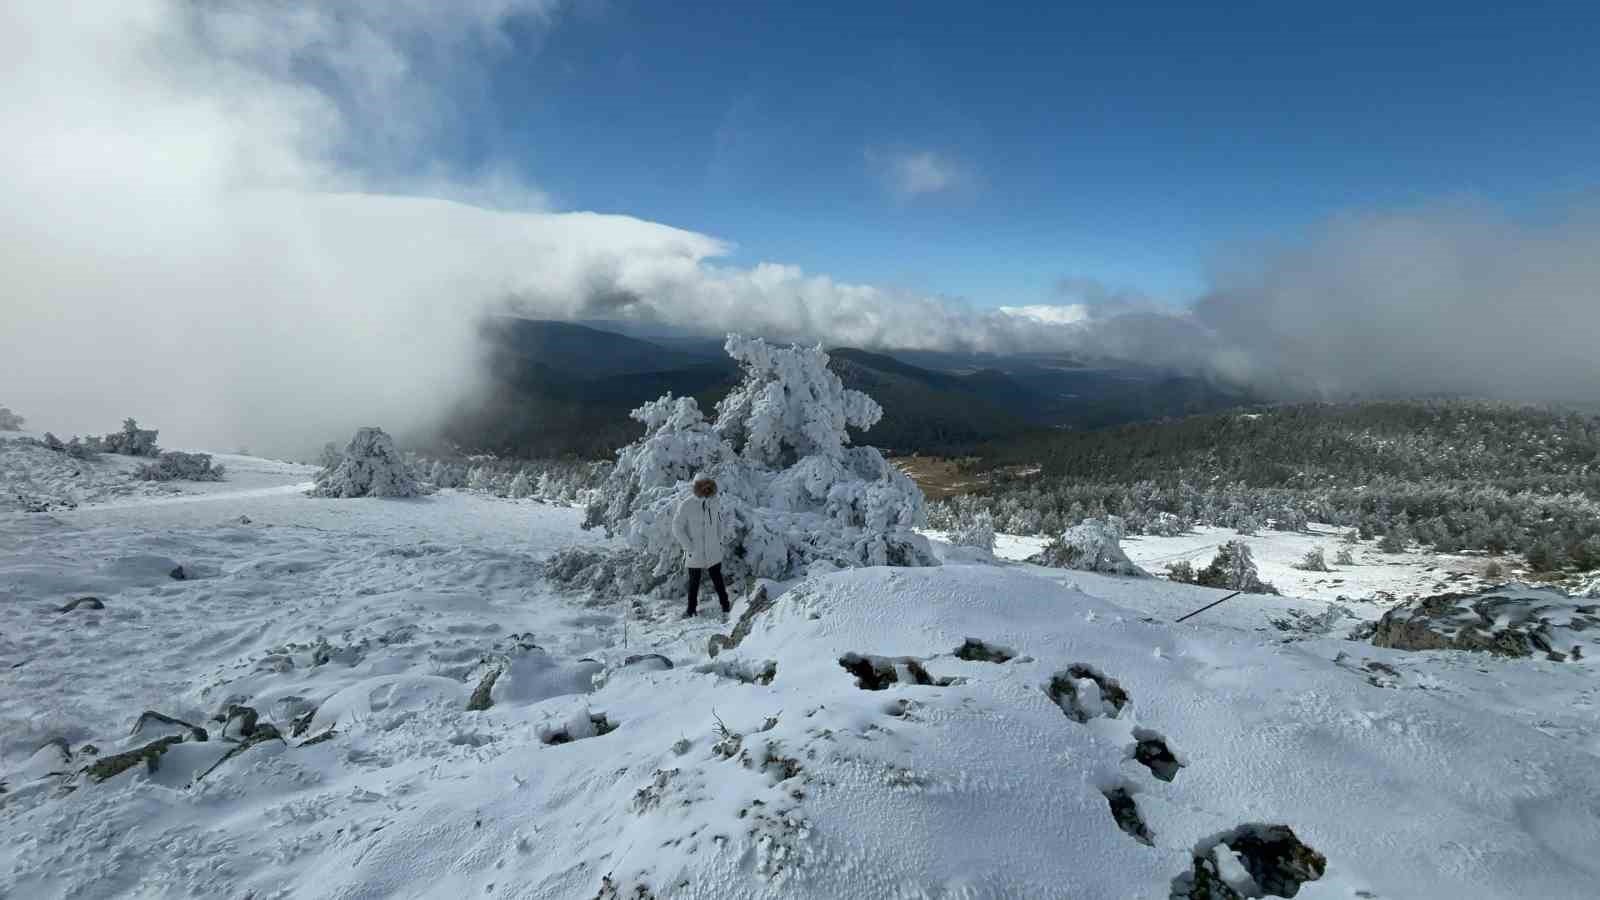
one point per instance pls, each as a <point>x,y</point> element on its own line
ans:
<point>396,699</point>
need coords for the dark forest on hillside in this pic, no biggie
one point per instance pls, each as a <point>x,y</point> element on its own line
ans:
<point>1447,475</point>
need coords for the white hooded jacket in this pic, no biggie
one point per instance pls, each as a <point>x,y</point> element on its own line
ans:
<point>698,527</point>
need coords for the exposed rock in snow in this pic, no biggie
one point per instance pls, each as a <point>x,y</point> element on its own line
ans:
<point>1095,545</point>
<point>370,467</point>
<point>1250,861</point>
<point>1512,620</point>
<point>793,492</point>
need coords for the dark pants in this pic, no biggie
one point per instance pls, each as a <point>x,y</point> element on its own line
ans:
<point>716,581</point>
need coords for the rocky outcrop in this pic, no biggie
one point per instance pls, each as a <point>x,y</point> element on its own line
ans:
<point>1511,620</point>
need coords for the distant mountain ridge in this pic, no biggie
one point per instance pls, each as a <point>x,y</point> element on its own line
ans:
<point>565,388</point>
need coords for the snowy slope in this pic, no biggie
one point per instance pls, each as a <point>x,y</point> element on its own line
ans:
<point>1416,775</point>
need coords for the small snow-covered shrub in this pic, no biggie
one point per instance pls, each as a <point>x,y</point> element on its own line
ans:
<point>1396,540</point>
<point>793,491</point>
<point>1095,545</point>
<point>54,443</point>
<point>1313,561</point>
<point>1344,557</point>
<point>10,421</point>
<point>1494,570</point>
<point>370,467</point>
<point>130,441</point>
<point>976,530</point>
<point>174,465</point>
<point>1234,569</point>
<point>1181,571</point>
<point>1166,525</point>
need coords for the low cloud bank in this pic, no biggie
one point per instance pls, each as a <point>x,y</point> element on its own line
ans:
<point>186,241</point>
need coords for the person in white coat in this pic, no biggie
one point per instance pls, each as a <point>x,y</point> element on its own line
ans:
<point>698,527</point>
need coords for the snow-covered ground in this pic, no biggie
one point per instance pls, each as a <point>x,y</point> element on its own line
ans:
<point>769,771</point>
<point>1376,577</point>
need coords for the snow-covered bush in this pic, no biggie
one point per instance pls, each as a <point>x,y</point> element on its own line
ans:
<point>130,441</point>
<point>1395,541</point>
<point>1181,571</point>
<point>1313,561</point>
<point>10,421</point>
<point>975,530</point>
<point>521,488</point>
<point>793,491</point>
<point>369,467</point>
<point>1166,525</point>
<point>330,456</point>
<point>1234,569</point>
<point>174,465</point>
<point>1344,557</point>
<point>1094,545</point>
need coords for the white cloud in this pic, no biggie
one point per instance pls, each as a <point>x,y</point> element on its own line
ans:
<point>1058,314</point>
<point>185,241</point>
<point>915,173</point>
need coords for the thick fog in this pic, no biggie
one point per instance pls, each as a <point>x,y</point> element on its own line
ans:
<point>186,238</point>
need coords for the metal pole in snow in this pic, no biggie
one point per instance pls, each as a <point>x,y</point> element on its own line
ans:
<point>1206,607</point>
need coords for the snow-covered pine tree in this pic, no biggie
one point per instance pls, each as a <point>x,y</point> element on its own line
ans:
<point>793,490</point>
<point>370,466</point>
<point>1234,569</point>
<point>1313,561</point>
<point>975,529</point>
<point>1093,545</point>
<point>521,488</point>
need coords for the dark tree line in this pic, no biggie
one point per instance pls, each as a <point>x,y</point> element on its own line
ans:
<point>1448,475</point>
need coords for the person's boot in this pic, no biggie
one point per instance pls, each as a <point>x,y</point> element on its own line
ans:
<point>688,614</point>
<point>726,609</point>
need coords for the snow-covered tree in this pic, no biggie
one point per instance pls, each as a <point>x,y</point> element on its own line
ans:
<point>521,488</point>
<point>330,456</point>
<point>1234,569</point>
<point>974,530</point>
<point>793,490</point>
<point>370,466</point>
<point>1181,571</point>
<point>10,421</point>
<point>174,465</point>
<point>131,440</point>
<point>1313,561</point>
<point>1344,557</point>
<point>1094,545</point>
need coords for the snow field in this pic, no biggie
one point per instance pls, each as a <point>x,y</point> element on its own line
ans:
<point>864,739</point>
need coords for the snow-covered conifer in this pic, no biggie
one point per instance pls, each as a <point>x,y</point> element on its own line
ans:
<point>975,530</point>
<point>1093,545</point>
<point>520,488</point>
<point>371,466</point>
<point>1234,569</point>
<point>793,490</point>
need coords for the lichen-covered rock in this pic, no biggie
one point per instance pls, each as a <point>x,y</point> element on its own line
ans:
<point>370,467</point>
<point>1512,620</point>
<point>1250,861</point>
<point>114,765</point>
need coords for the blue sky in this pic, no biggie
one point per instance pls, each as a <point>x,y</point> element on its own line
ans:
<point>988,151</point>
